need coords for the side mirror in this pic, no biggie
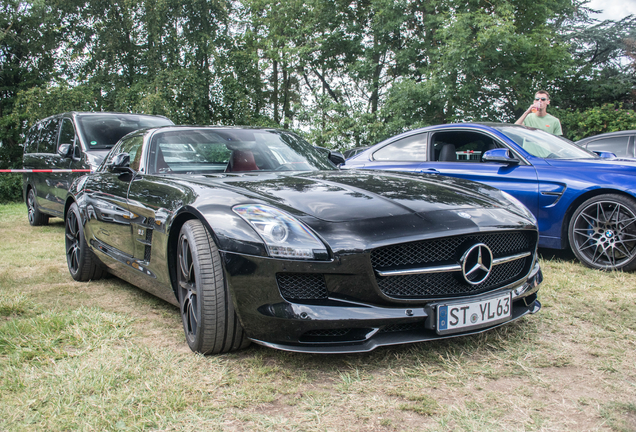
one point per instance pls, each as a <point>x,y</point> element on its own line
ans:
<point>65,150</point>
<point>500,155</point>
<point>120,163</point>
<point>605,155</point>
<point>336,157</point>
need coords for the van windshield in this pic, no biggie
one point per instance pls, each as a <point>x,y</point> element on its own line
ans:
<point>102,131</point>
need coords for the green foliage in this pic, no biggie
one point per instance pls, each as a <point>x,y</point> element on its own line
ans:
<point>579,124</point>
<point>490,59</point>
<point>31,32</point>
<point>10,188</point>
<point>599,72</point>
<point>345,73</point>
<point>40,102</point>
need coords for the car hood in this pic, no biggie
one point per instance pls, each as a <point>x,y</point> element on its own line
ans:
<point>343,196</point>
<point>620,164</point>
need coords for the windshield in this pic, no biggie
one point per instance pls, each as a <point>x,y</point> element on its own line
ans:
<point>545,145</point>
<point>102,131</point>
<point>209,151</point>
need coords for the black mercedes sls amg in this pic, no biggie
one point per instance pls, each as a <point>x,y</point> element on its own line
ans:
<point>258,236</point>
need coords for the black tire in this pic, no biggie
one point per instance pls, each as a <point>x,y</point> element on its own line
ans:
<point>602,232</point>
<point>82,264</point>
<point>36,218</point>
<point>210,323</point>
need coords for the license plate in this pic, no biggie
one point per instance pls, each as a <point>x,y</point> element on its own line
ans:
<point>456,317</point>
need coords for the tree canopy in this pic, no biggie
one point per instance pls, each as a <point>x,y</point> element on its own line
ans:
<point>343,73</point>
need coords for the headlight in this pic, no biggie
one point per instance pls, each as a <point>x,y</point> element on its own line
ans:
<point>284,236</point>
<point>519,205</point>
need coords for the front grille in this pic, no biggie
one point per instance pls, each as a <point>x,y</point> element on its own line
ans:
<point>301,286</point>
<point>447,251</point>
<point>449,284</point>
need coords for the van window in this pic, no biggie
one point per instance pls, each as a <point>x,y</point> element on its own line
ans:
<point>48,137</point>
<point>103,131</point>
<point>67,132</point>
<point>31,141</point>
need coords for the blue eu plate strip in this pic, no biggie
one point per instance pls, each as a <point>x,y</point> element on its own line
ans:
<point>442,319</point>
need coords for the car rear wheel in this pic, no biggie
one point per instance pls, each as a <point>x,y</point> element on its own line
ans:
<point>35,216</point>
<point>602,232</point>
<point>82,264</point>
<point>210,323</point>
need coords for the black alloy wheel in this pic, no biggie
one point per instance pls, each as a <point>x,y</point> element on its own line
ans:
<point>36,218</point>
<point>82,264</point>
<point>210,323</point>
<point>602,232</point>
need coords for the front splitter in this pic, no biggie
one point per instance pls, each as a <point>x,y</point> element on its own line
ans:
<point>389,339</point>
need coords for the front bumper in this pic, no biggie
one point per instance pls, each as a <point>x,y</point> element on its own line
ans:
<point>340,324</point>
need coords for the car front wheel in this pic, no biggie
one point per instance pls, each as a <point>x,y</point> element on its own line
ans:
<point>82,264</point>
<point>210,323</point>
<point>35,216</point>
<point>602,232</point>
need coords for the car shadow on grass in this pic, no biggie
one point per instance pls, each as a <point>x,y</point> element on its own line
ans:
<point>557,254</point>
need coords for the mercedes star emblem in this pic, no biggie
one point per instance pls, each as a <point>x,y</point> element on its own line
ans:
<point>477,263</point>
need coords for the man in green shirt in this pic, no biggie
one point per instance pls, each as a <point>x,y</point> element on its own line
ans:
<point>537,115</point>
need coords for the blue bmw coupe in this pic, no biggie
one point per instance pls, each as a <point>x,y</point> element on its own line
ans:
<point>582,200</point>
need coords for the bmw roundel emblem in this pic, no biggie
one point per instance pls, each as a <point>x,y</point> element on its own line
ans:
<point>476,263</point>
<point>609,234</point>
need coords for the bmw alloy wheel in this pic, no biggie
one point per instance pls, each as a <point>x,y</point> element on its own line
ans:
<point>603,233</point>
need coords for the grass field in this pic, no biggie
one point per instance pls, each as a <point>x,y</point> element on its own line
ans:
<point>107,356</point>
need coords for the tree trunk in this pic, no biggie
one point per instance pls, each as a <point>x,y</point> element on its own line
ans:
<point>275,92</point>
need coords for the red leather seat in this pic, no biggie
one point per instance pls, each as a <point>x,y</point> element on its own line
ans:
<point>242,160</point>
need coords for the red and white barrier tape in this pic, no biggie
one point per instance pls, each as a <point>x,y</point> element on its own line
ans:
<point>44,170</point>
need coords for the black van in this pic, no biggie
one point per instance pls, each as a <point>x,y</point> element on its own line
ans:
<point>74,140</point>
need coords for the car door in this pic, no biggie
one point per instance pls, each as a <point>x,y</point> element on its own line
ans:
<point>47,183</point>
<point>458,153</point>
<point>153,198</point>
<point>59,188</point>
<point>109,220</point>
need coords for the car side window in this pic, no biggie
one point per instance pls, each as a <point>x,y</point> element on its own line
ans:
<point>31,140</point>
<point>461,146</point>
<point>412,148</point>
<point>132,146</point>
<point>617,145</point>
<point>67,133</point>
<point>48,137</point>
